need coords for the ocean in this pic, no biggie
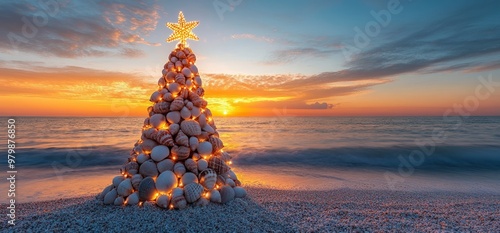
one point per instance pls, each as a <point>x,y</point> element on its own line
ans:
<point>70,156</point>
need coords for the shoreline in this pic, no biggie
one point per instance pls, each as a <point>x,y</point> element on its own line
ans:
<point>275,210</point>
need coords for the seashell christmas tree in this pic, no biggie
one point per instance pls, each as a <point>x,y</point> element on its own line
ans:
<point>179,159</point>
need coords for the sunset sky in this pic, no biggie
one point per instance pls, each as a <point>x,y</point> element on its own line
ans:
<point>256,58</point>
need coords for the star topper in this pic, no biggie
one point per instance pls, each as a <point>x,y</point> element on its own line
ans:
<point>182,30</point>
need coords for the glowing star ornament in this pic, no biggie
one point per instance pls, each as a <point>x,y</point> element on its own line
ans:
<point>182,30</point>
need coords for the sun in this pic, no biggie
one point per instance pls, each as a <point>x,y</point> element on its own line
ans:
<point>225,112</point>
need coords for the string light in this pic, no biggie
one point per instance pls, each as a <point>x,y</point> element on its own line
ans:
<point>182,30</point>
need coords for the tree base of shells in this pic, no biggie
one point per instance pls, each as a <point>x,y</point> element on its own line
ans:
<point>179,159</point>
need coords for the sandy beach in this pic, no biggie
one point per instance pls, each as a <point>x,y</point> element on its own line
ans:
<point>268,210</point>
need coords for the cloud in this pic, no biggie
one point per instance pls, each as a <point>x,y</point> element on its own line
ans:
<point>77,28</point>
<point>252,37</point>
<point>289,55</point>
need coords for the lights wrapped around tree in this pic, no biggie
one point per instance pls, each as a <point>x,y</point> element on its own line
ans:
<point>179,159</point>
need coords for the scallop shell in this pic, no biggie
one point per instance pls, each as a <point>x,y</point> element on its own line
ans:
<point>174,128</point>
<point>148,168</point>
<point>230,182</point>
<point>178,199</point>
<point>218,165</point>
<point>197,101</point>
<point>193,69</point>
<point>216,143</point>
<point>164,138</point>
<point>167,63</point>
<point>179,169</point>
<point>215,196</point>
<point>147,145</point>
<point>174,88</point>
<point>136,180</point>
<point>180,55</point>
<point>150,133</point>
<point>174,59</point>
<point>191,166</point>
<point>110,197</point>
<point>158,121</point>
<point>147,189</point>
<point>125,188</point>
<point>170,66</point>
<point>119,201</point>
<point>190,127</point>
<point>163,201</point>
<point>189,105</point>
<point>202,164</point>
<point>193,192</point>
<point>189,178</point>
<point>239,192</point>
<point>182,139</point>
<point>197,81</point>
<point>177,104</point>
<point>185,113</point>
<point>130,169</point>
<point>227,194</point>
<point>195,112</point>
<point>204,149</point>
<point>180,79</point>
<point>178,65</point>
<point>117,180</point>
<point>104,192</point>
<point>173,117</point>
<point>166,181</point>
<point>184,62</point>
<point>180,152</point>
<point>208,178</point>
<point>162,82</point>
<point>165,165</point>
<point>184,93</point>
<point>170,77</point>
<point>200,91</point>
<point>155,97</point>
<point>159,153</point>
<point>161,107</point>
<point>202,119</point>
<point>132,199</point>
<point>191,58</point>
<point>193,143</point>
<point>168,97</point>
<point>186,72</point>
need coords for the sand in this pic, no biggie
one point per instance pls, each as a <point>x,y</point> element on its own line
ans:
<point>267,210</point>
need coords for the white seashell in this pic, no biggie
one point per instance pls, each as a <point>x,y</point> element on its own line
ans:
<point>147,190</point>
<point>203,104</point>
<point>208,178</point>
<point>168,96</point>
<point>157,121</point>
<point>197,81</point>
<point>196,156</point>
<point>148,168</point>
<point>182,139</point>
<point>239,192</point>
<point>190,105</point>
<point>174,59</point>
<point>204,149</point>
<point>164,71</point>
<point>119,201</point>
<point>163,201</point>
<point>164,137</point>
<point>180,79</point>
<point>190,127</point>
<point>170,77</point>
<point>110,197</point>
<point>174,128</point>
<point>215,196</point>
<point>221,180</point>
<point>191,58</point>
<point>189,84</point>
<point>125,188</point>
<point>117,180</point>
<point>165,165</point>
<point>208,113</point>
<point>141,158</point>
<point>192,192</point>
<point>178,65</point>
<point>165,182</point>
<point>146,121</point>
<point>195,99</point>
<point>230,182</point>
<point>185,113</point>
<point>202,119</point>
<point>136,180</point>
<point>162,82</point>
<point>180,152</point>
<point>226,194</point>
<point>177,104</point>
<point>161,107</point>
<point>193,143</point>
<point>132,199</point>
<point>217,144</point>
<point>185,62</point>
<point>179,169</point>
<point>180,55</point>
<point>231,175</point>
<point>170,66</point>
<point>225,157</point>
<point>191,166</point>
<point>159,153</point>
<point>201,202</point>
<point>104,192</point>
<point>193,69</point>
<point>147,145</point>
<point>200,91</point>
<point>189,178</point>
<point>174,117</point>
<point>195,112</point>
<point>218,165</point>
<point>155,97</point>
<point>174,88</point>
<point>130,168</point>
<point>178,199</point>
<point>202,165</point>
<point>186,72</point>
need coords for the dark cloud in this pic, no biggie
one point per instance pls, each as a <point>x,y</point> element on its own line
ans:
<point>76,28</point>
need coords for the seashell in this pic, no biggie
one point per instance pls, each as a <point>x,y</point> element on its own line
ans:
<point>125,188</point>
<point>165,182</point>
<point>147,190</point>
<point>173,117</point>
<point>197,81</point>
<point>231,175</point>
<point>146,121</point>
<point>184,62</point>
<point>163,201</point>
<point>161,107</point>
<point>178,65</point>
<point>132,199</point>
<point>167,63</point>
<point>195,112</point>
<point>237,182</point>
<point>180,152</point>
<point>159,153</point>
<point>138,149</point>
<point>162,82</point>
<point>184,93</point>
<point>189,105</point>
<point>208,113</point>
<point>180,79</point>
<point>187,51</point>
<point>230,182</point>
<point>110,197</point>
<point>174,59</point>
<point>189,84</point>
<point>201,202</point>
<point>170,66</point>
<point>192,192</point>
<point>195,98</point>
<point>215,196</point>
<point>164,138</point>
<point>191,166</point>
<point>200,91</point>
<point>203,136</point>
<point>174,128</point>
<point>190,127</point>
<point>193,69</point>
<point>155,97</point>
<point>221,180</point>
<point>191,58</point>
<point>226,158</point>
<point>136,180</point>
<point>104,192</point>
<point>170,77</point>
<point>208,178</point>
<point>119,201</point>
<point>202,164</point>
<point>157,121</point>
<point>177,104</point>
<point>130,169</point>
<point>182,139</point>
<point>186,72</point>
<point>178,200</point>
<point>148,168</point>
<point>150,133</point>
<point>196,156</point>
<point>168,97</point>
<point>226,194</point>
<point>185,113</point>
<point>117,180</point>
<point>218,165</point>
<point>216,143</point>
<point>180,55</point>
<point>179,169</point>
<point>202,119</point>
<point>239,192</point>
<point>205,149</point>
<point>203,104</point>
<point>174,88</point>
<point>147,145</point>
<point>165,165</point>
<point>164,72</point>
<point>189,178</point>
<point>193,143</point>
